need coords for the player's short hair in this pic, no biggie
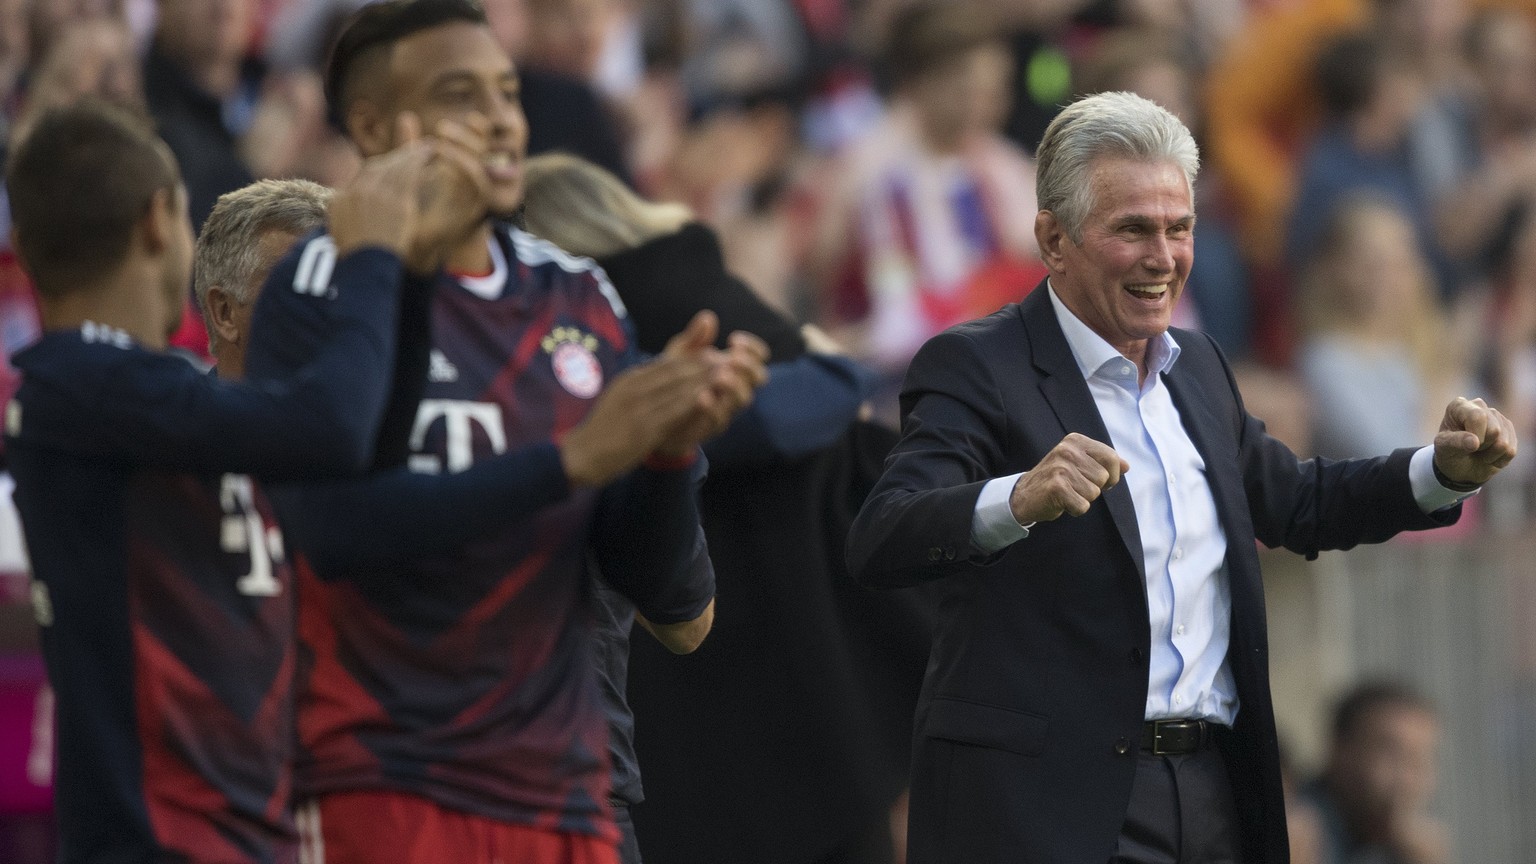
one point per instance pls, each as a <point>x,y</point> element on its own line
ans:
<point>585,210</point>
<point>374,30</point>
<point>1349,716</point>
<point>229,245</point>
<point>1105,125</point>
<point>78,184</point>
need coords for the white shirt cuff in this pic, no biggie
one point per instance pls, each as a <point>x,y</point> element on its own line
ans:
<point>993,526</point>
<point>1427,491</point>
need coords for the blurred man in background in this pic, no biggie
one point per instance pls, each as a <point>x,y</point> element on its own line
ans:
<point>1373,798</point>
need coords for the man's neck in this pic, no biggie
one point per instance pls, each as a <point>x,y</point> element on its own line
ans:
<point>474,254</point>
<point>229,361</point>
<point>111,302</point>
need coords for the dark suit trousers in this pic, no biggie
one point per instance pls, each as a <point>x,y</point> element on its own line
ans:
<point>1181,812</point>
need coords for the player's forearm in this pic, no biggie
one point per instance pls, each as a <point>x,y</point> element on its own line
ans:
<point>805,406</point>
<point>413,351</point>
<point>330,373</point>
<point>684,637</point>
<point>397,515</point>
<point>649,546</point>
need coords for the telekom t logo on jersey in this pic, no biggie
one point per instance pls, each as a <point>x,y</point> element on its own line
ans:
<point>461,418</point>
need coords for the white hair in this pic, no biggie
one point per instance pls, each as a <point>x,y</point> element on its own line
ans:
<point>1116,124</point>
<point>228,246</point>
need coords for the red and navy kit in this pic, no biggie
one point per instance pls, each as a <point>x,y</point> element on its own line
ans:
<point>447,620</point>
<point>161,578</point>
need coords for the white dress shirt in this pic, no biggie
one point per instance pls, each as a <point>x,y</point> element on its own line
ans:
<point>1183,545</point>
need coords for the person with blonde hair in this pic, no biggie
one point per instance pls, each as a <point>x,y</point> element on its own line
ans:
<point>587,211</point>
<point>829,750</point>
<point>1373,335</point>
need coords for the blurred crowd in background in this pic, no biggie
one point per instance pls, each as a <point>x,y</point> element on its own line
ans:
<point>1367,207</point>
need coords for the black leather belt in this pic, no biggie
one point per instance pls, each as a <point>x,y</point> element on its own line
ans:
<point>1173,737</point>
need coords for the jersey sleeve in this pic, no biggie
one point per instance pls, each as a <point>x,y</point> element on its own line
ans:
<point>645,543</point>
<point>806,405</point>
<point>158,410</point>
<point>413,352</point>
<point>398,514</point>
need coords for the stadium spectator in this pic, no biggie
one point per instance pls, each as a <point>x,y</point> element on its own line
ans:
<point>1372,93</point>
<point>1373,336</point>
<point>1373,798</point>
<point>1264,103</point>
<point>928,224</point>
<point>565,112</point>
<point>1485,197</point>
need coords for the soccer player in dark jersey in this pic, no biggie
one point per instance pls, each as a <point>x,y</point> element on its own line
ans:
<point>450,711</point>
<point>161,580</point>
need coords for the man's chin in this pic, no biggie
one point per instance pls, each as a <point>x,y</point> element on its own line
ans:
<point>505,201</point>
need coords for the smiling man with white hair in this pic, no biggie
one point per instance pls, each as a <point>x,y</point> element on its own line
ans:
<point>1099,684</point>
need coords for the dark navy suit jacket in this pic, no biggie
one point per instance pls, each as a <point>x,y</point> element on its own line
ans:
<point>1028,726</point>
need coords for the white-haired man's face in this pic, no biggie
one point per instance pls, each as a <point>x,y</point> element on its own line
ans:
<point>1126,274</point>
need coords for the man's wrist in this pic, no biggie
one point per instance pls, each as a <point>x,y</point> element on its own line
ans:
<point>993,525</point>
<point>1452,484</point>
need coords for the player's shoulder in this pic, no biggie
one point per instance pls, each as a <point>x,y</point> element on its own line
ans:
<point>64,356</point>
<point>554,269</point>
<point>70,373</point>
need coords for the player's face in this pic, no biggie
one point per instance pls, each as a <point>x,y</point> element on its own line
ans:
<point>1137,246</point>
<point>457,70</point>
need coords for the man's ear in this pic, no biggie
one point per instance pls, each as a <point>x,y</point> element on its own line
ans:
<point>158,222</point>
<point>220,313</point>
<point>1050,235</point>
<point>370,126</point>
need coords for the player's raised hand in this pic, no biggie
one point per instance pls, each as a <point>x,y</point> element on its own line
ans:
<point>452,196</point>
<point>1474,443</point>
<point>370,211</point>
<point>635,412</point>
<point>1068,480</point>
<point>736,374</point>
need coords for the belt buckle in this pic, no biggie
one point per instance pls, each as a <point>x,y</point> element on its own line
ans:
<point>1157,737</point>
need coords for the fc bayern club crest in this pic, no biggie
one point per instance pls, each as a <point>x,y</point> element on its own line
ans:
<point>571,354</point>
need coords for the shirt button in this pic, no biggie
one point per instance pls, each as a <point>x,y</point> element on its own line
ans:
<point>1123,746</point>
<point>1125,370</point>
<point>1178,700</point>
<point>1178,554</point>
<point>1180,630</point>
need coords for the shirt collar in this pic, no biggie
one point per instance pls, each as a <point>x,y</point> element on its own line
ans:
<point>1092,353</point>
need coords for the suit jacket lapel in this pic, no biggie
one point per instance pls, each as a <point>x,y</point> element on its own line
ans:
<point>1064,389</point>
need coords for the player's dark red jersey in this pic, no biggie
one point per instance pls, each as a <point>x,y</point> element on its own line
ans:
<point>161,578</point>
<point>464,674</point>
